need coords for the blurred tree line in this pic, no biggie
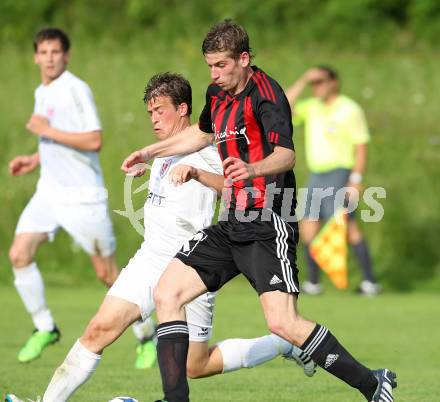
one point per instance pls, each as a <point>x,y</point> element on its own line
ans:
<point>376,23</point>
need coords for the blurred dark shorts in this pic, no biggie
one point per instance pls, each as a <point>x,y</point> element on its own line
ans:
<point>323,195</point>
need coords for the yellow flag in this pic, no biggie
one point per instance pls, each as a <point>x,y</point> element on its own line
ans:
<point>329,248</point>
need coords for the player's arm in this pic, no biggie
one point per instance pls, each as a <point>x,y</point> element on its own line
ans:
<point>183,173</point>
<point>84,141</point>
<point>23,164</point>
<point>280,160</point>
<point>191,139</point>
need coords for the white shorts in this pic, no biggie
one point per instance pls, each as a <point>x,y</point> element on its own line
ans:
<point>88,224</point>
<point>137,280</point>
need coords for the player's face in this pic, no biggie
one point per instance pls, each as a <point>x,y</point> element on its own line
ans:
<point>165,117</point>
<point>226,72</point>
<point>51,58</point>
<point>323,87</point>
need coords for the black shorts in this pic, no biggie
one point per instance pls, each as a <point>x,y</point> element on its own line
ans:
<point>264,251</point>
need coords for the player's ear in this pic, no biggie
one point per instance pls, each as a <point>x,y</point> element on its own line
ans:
<point>245,59</point>
<point>182,109</point>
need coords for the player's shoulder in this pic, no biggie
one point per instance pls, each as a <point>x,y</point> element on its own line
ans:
<point>73,81</point>
<point>266,87</point>
<point>349,104</point>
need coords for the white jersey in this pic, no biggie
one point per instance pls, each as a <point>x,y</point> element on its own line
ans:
<point>173,214</point>
<point>68,104</point>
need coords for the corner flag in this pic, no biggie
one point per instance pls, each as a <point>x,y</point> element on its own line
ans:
<point>329,248</point>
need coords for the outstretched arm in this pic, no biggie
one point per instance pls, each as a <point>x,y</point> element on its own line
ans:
<point>23,164</point>
<point>189,140</point>
<point>84,141</point>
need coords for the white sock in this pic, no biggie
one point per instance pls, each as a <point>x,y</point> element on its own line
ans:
<point>247,353</point>
<point>144,330</point>
<point>29,284</point>
<point>76,369</point>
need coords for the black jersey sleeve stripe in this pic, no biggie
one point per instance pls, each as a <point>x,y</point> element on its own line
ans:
<point>260,86</point>
<point>264,85</point>
<point>269,85</point>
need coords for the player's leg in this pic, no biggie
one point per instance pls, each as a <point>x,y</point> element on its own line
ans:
<point>113,317</point>
<point>368,286</point>
<point>231,354</point>
<point>172,332</point>
<point>209,251</point>
<point>309,229</point>
<point>277,257</point>
<point>35,226</point>
<point>129,299</point>
<point>282,318</point>
<point>106,268</point>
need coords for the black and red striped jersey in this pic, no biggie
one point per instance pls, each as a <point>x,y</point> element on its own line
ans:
<point>248,126</point>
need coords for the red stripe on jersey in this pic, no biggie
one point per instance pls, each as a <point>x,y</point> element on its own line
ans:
<point>256,152</point>
<point>263,84</point>
<point>231,145</point>
<point>276,138</point>
<point>272,94</point>
<point>218,118</point>
<point>257,80</point>
<point>214,100</point>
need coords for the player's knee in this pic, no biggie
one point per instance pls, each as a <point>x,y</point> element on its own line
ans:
<point>97,331</point>
<point>194,369</point>
<point>19,256</point>
<point>165,299</point>
<point>278,326</point>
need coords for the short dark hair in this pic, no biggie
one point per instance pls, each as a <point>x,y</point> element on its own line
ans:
<point>330,71</point>
<point>227,36</point>
<point>176,86</point>
<point>51,34</point>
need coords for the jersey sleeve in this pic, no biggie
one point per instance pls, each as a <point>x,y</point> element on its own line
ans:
<point>205,122</point>
<point>85,107</point>
<point>276,117</point>
<point>358,127</point>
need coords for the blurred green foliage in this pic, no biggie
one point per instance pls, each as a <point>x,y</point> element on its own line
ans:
<point>359,22</point>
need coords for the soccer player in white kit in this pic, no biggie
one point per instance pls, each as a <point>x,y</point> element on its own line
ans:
<point>172,215</point>
<point>70,191</point>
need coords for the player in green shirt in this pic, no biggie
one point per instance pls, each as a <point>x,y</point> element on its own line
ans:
<point>336,138</point>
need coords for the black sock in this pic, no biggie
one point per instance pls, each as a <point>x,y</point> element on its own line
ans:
<point>172,351</point>
<point>312,266</point>
<point>363,256</point>
<point>329,354</point>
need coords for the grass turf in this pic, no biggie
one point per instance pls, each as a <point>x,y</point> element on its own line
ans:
<point>394,330</point>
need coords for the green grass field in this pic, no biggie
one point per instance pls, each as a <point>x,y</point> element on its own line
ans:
<point>397,331</point>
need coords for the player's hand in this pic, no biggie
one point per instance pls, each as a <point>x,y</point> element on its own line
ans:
<point>136,164</point>
<point>236,169</point>
<point>181,174</point>
<point>38,125</point>
<point>312,74</point>
<point>23,164</point>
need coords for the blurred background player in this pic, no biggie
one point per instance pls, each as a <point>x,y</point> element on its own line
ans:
<point>172,215</point>
<point>336,137</point>
<point>70,191</point>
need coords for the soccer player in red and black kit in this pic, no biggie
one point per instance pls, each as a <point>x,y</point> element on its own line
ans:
<point>248,116</point>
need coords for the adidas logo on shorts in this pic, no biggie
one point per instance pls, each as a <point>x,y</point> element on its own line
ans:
<point>275,280</point>
<point>330,360</point>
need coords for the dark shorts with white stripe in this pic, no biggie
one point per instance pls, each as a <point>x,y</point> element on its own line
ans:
<point>263,250</point>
